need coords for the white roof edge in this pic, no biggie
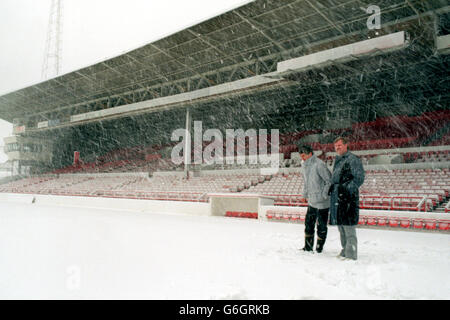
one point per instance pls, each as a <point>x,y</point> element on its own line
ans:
<point>389,41</point>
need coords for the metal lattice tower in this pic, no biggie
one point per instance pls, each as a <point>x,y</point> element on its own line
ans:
<point>52,56</point>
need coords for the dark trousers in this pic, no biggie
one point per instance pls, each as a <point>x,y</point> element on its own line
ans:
<point>319,215</point>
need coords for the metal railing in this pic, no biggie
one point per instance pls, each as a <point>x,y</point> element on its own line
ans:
<point>447,207</point>
<point>367,202</point>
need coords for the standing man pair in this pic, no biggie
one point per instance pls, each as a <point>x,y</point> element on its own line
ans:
<point>338,192</point>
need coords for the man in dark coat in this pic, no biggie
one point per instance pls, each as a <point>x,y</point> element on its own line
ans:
<point>348,176</point>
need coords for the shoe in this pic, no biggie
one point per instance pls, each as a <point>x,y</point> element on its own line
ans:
<point>344,258</point>
<point>319,245</point>
<point>309,243</point>
<point>349,259</point>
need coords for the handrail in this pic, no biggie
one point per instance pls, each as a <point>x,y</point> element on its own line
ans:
<point>202,195</point>
<point>422,202</point>
<point>447,207</point>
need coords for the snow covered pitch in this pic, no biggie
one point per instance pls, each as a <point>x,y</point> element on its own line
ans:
<point>50,252</point>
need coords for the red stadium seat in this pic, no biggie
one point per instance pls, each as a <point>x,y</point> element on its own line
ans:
<point>405,222</point>
<point>278,215</point>
<point>286,215</point>
<point>444,225</point>
<point>382,221</point>
<point>430,224</point>
<point>418,224</point>
<point>371,221</point>
<point>393,222</point>
<point>362,220</point>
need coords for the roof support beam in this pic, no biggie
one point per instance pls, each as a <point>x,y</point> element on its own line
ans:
<point>325,17</point>
<point>210,82</point>
<point>255,25</point>
<point>209,43</point>
<point>156,67</point>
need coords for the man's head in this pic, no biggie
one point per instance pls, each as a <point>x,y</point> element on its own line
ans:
<point>306,152</point>
<point>340,145</point>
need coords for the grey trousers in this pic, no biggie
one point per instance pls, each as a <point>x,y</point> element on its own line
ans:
<point>349,242</point>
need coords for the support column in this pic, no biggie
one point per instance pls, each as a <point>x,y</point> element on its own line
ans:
<point>187,146</point>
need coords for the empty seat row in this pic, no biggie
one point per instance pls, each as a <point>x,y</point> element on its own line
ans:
<point>382,221</point>
<point>242,214</point>
<point>405,222</point>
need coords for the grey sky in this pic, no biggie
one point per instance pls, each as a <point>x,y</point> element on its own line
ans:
<point>93,31</point>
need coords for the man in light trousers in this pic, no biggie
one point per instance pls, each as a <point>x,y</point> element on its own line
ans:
<point>348,176</point>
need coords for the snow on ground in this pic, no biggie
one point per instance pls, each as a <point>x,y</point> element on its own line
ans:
<point>49,252</point>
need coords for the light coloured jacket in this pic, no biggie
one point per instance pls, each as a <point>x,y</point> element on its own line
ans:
<point>317,182</point>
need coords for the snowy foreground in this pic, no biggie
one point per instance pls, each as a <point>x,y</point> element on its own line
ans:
<point>71,253</point>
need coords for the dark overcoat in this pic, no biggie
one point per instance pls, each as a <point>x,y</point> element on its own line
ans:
<point>348,176</point>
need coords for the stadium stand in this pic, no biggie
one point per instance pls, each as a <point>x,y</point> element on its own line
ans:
<point>382,190</point>
<point>391,132</point>
<point>257,66</point>
<point>443,141</point>
<point>148,158</point>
